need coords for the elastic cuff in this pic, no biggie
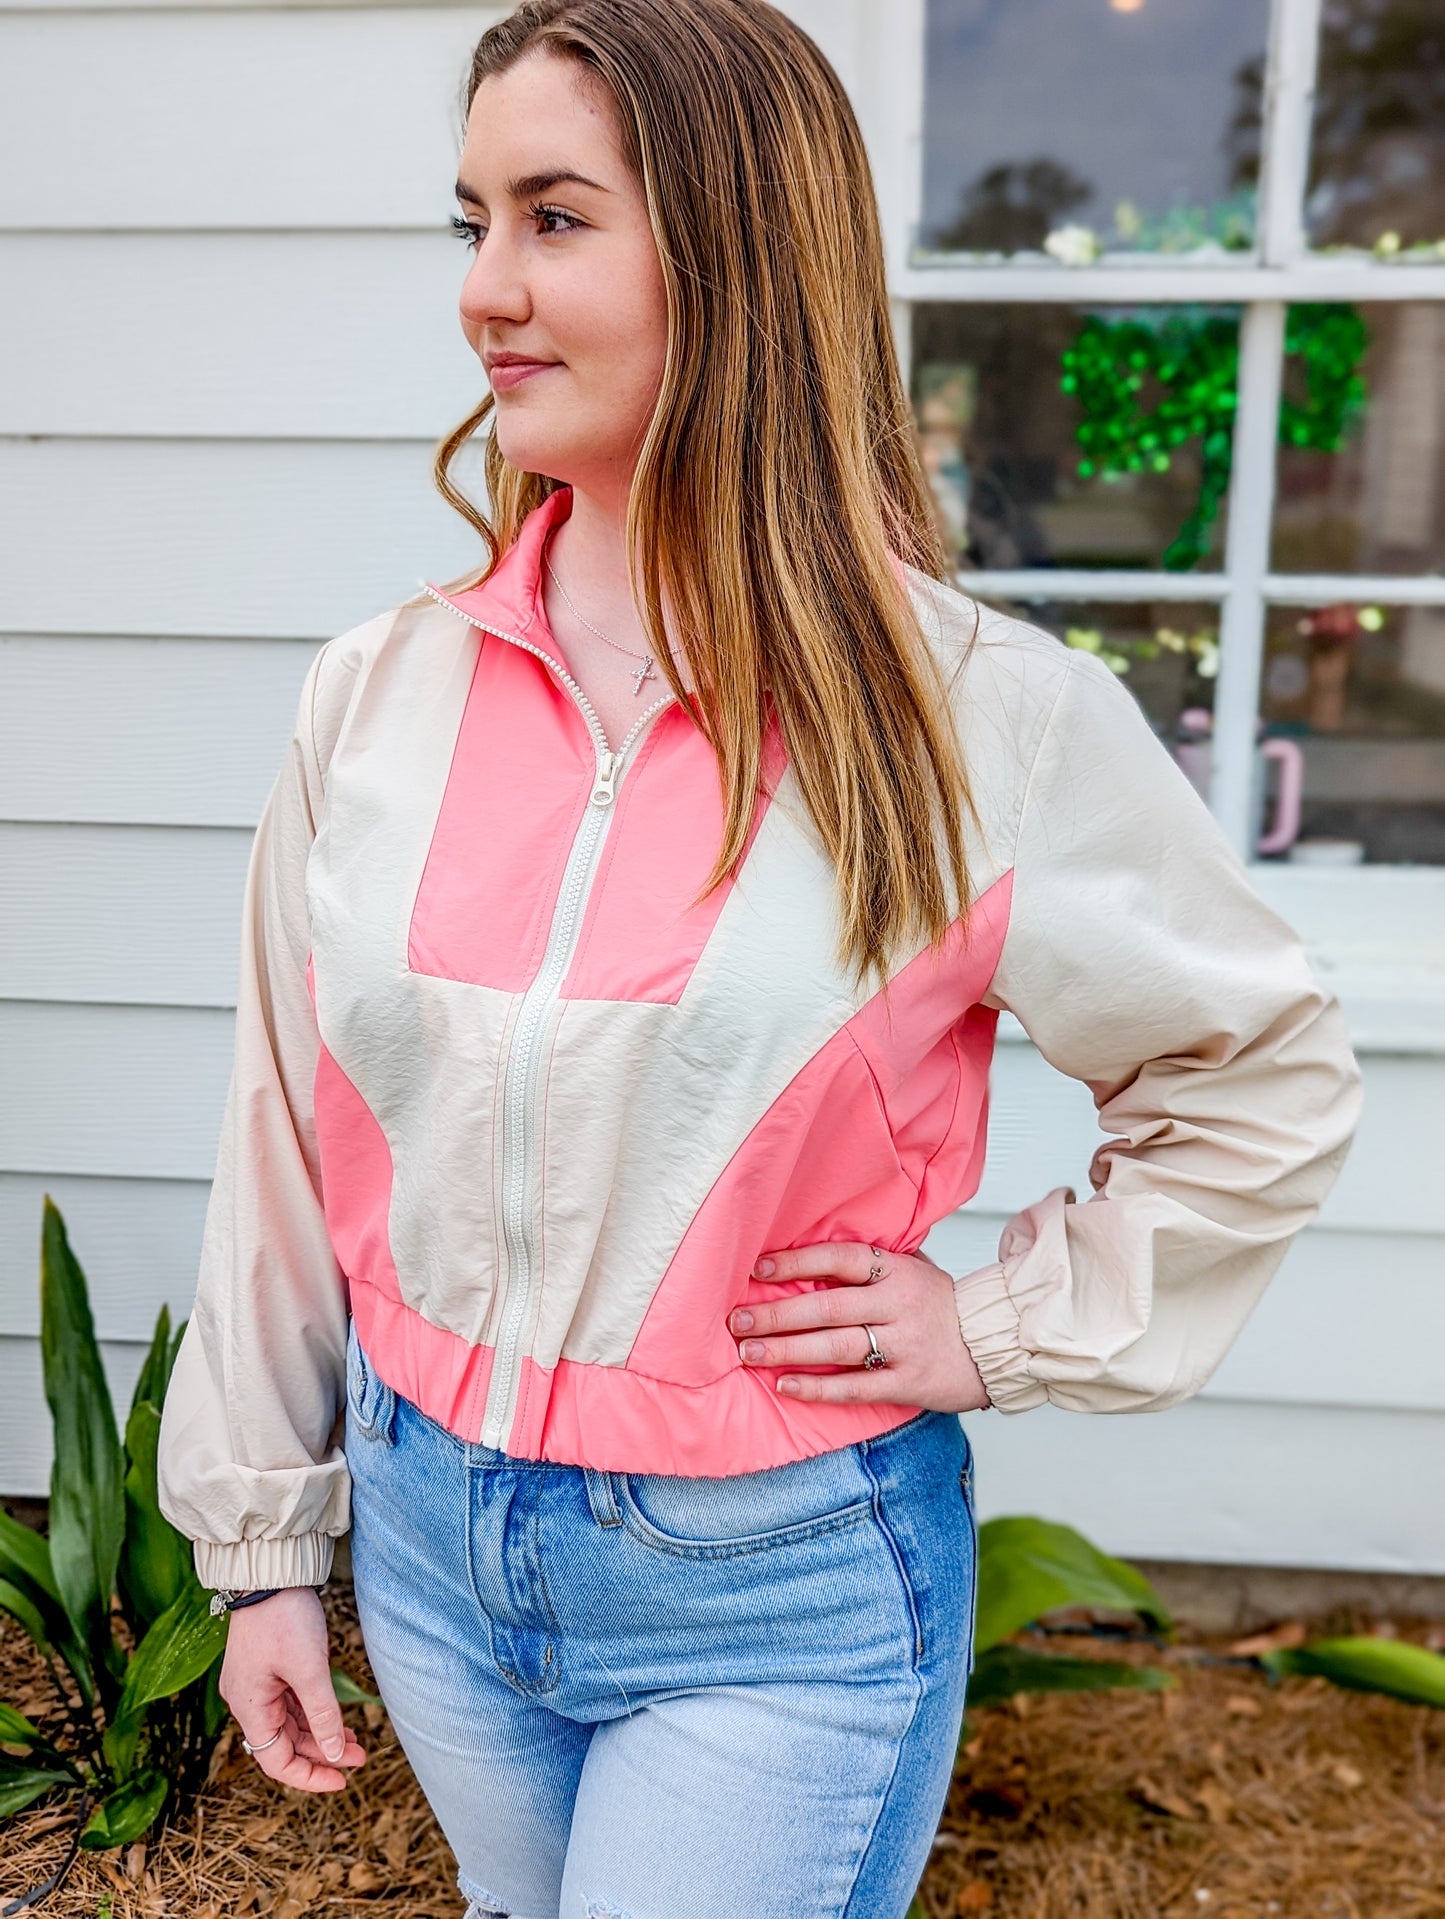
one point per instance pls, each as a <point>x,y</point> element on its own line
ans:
<point>303,1559</point>
<point>989,1322</point>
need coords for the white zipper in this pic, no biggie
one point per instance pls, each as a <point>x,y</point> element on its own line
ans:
<point>518,1119</point>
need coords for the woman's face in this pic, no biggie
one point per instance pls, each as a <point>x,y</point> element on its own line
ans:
<point>564,301</point>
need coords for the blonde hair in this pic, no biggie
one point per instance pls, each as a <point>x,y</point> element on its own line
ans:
<point>779,483</point>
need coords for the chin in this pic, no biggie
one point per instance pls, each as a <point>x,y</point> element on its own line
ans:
<point>526,445</point>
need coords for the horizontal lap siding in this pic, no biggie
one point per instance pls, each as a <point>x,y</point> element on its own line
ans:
<point>136,1240</point>
<point>221,119</point>
<point>245,538</point>
<point>136,914</point>
<point>1227,1482</point>
<point>137,725</point>
<point>277,336</point>
<point>235,346</point>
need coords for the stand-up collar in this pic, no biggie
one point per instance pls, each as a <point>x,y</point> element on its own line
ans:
<point>510,597</point>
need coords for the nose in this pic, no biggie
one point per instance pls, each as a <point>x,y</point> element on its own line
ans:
<point>495,289</point>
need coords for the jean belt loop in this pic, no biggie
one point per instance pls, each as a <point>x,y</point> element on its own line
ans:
<point>601,1497</point>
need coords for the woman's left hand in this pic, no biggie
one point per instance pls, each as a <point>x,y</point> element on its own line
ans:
<point>907,1299</point>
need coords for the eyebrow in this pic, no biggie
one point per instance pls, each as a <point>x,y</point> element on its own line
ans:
<point>529,185</point>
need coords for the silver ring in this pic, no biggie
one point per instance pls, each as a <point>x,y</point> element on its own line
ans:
<point>875,1273</point>
<point>876,1357</point>
<point>266,1742</point>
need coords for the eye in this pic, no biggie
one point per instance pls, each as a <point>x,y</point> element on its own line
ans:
<point>472,231</point>
<point>545,213</point>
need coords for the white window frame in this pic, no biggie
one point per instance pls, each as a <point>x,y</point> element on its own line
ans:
<point>1279,270</point>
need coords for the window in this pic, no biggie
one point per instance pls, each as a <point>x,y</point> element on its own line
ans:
<point>1131,119</point>
<point>1174,274</point>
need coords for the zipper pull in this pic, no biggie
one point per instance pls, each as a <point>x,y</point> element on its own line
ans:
<point>604,789</point>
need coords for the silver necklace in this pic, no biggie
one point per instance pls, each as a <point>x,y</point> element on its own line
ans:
<point>640,674</point>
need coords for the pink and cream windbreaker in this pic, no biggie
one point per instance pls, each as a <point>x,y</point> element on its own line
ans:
<point>506,1090</point>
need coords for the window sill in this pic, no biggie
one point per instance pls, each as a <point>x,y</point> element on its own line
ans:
<point>1375,936</point>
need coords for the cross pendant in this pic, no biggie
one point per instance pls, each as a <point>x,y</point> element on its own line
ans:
<point>641,674</point>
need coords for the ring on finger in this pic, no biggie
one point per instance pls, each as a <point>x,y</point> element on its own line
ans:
<point>876,1355</point>
<point>246,1744</point>
<point>875,1272</point>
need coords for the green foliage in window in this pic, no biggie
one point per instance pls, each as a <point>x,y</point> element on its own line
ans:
<point>1147,387</point>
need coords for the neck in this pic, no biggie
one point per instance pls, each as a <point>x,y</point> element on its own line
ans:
<point>589,550</point>
<point>589,553</point>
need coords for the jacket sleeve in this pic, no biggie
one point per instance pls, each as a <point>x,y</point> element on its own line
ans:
<point>251,1468</point>
<point>1140,961</point>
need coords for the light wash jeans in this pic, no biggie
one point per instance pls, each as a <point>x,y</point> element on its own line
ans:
<point>635,1696</point>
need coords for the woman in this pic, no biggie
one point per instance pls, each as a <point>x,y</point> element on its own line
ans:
<point>624,940</point>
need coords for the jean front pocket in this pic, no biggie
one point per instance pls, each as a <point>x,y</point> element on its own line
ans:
<point>370,1402</point>
<point>747,1513</point>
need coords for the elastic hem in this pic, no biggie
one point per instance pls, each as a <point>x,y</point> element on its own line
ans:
<point>989,1322</point>
<point>245,1565</point>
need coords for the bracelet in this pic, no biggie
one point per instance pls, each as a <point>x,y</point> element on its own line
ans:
<point>226,1601</point>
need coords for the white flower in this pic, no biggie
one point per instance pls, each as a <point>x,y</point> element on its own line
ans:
<point>1073,246</point>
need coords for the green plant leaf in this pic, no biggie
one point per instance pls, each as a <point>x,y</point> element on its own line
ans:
<point>1392,1666</point>
<point>29,1592</point>
<point>121,1742</point>
<point>176,1337</point>
<point>13,1601</point>
<point>26,1552</point>
<point>1028,1567</point>
<point>215,1711</point>
<point>156,1561</point>
<point>349,1693</point>
<point>87,1508</point>
<point>1005,1670</point>
<point>179,1647</point>
<point>154,1373</point>
<point>17,1730</point>
<point>21,1786</point>
<point>127,1812</point>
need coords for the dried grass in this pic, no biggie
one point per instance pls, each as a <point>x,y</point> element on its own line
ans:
<point>1226,1797</point>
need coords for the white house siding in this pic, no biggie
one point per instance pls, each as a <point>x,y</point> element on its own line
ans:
<point>227,347</point>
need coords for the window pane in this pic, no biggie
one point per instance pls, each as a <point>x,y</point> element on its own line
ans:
<point>1365,493</point>
<point>1362,692</point>
<point>1166,652</point>
<point>1377,163</point>
<point>1070,436</point>
<point>1136,119</point>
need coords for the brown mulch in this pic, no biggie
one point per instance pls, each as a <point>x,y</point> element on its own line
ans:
<point>1225,1797</point>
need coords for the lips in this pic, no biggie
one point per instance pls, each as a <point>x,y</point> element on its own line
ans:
<point>510,370</point>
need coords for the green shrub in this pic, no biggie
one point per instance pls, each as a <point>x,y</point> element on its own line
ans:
<point>1029,1567</point>
<point>136,1746</point>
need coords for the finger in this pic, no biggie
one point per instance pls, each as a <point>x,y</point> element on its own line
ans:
<point>354,1753</point>
<point>288,1766</point>
<point>845,1346</point>
<point>303,1774</point>
<point>855,1386</point>
<point>840,1259</point>
<point>317,1707</point>
<point>824,1306</point>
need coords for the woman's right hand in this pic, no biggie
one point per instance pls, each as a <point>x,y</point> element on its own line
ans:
<point>276,1674</point>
